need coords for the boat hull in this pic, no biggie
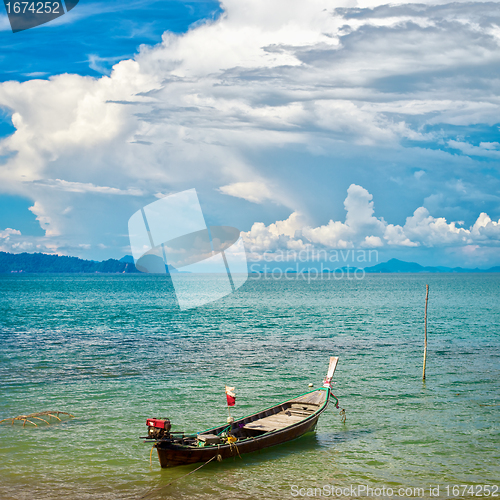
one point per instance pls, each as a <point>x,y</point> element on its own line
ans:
<point>171,455</point>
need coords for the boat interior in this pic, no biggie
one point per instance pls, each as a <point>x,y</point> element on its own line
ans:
<point>272,419</point>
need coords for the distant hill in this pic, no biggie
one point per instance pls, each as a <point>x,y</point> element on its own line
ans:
<point>158,262</point>
<point>399,266</point>
<point>46,263</point>
<point>128,259</point>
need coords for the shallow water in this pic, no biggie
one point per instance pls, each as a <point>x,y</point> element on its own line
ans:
<point>114,350</point>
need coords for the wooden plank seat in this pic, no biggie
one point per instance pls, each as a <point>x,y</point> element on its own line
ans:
<point>303,407</point>
<point>273,422</point>
<point>302,413</point>
<point>259,425</point>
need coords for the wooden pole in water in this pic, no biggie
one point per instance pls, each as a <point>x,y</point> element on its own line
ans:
<point>425,329</point>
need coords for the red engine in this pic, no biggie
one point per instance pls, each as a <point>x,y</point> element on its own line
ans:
<point>158,428</point>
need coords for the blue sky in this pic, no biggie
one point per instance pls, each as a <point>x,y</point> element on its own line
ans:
<point>304,124</point>
<point>95,35</point>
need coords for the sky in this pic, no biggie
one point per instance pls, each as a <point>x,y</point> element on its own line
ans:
<point>323,125</point>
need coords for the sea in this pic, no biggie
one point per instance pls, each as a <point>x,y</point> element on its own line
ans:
<point>114,350</point>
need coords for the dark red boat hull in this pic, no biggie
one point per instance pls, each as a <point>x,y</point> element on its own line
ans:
<point>171,455</point>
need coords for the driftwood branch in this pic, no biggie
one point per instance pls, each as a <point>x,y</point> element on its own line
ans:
<point>37,416</point>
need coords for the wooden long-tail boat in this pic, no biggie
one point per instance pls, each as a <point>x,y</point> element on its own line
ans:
<point>275,425</point>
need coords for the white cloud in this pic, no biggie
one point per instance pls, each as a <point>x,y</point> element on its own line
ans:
<point>362,229</point>
<point>485,229</point>
<point>256,192</point>
<point>372,242</point>
<point>87,187</point>
<point>102,64</point>
<point>485,149</point>
<point>276,236</point>
<point>46,222</point>
<point>432,231</point>
<point>11,240</point>
<point>293,233</point>
<point>7,233</point>
<point>396,236</point>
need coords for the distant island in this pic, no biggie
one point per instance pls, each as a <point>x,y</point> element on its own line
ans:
<point>400,266</point>
<point>49,263</point>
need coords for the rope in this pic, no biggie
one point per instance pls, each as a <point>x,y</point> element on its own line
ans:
<point>151,456</point>
<point>225,429</point>
<point>176,479</point>
<point>342,410</point>
<point>343,416</point>
<point>231,445</point>
<point>334,397</point>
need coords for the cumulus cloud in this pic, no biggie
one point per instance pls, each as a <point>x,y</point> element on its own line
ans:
<point>432,231</point>
<point>7,233</point>
<point>395,236</point>
<point>485,229</point>
<point>44,219</point>
<point>362,229</point>
<point>280,235</point>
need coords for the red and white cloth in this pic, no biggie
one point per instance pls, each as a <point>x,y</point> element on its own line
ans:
<point>230,396</point>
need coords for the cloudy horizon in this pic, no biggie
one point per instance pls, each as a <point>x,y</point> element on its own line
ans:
<point>327,125</point>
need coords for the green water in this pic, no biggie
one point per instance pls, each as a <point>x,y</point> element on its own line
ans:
<point>114,350</point>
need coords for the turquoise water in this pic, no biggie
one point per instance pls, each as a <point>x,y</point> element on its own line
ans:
<point>114,350</point>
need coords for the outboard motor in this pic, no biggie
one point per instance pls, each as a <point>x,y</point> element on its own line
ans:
<point>158,428</point>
